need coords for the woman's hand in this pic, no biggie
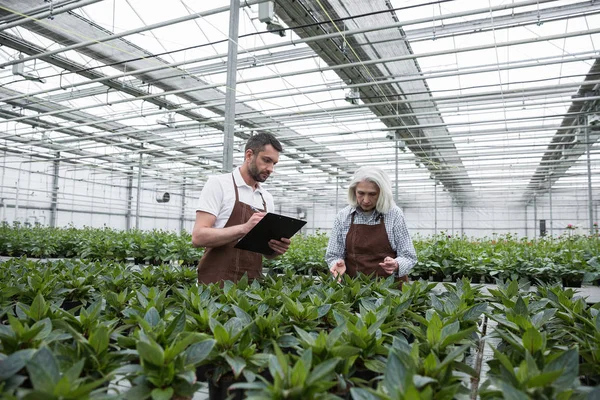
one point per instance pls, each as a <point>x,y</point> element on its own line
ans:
<point>389,265</point>
<point>338,269</point>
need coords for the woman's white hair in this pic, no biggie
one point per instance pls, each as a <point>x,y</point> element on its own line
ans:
<point>379,177</point>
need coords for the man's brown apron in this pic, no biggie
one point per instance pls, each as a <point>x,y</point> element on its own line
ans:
<point>366,247</point>
<point>226,262</point>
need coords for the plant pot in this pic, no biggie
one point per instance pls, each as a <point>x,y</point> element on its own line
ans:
<point>366,375</point>
<point>220,390</point>
<point>438,277</point>
<point>571,282</point>
<point>69,305</point>
<point>203,373</point>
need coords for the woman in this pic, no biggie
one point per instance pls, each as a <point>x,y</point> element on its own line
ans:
<point>370,235</point>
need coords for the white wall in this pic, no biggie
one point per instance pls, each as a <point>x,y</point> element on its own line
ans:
<point>96,198</point>
<point>88,197</point>
<point>482,221</point>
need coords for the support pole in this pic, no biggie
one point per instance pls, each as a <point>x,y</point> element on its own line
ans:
<point>54,201</point>
<point>435,227</point>
<point>232,53</point>
<point>129,199</point>
<point>139,193</point>
<point>462,220</point>
<point>337,189</point>
<point>526,222</point>
<point>452,211</point>
<point>550,200</point>
<point>588,147</point>
<point>182,217</point>
<point>535,220</point>
<point>396,186</point>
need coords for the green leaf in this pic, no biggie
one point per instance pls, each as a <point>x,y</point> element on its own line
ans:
<point>345,351</point>
<point>430,364</point>
<point>457,352</point>
<point>363,394</point>
<point>299,373</point>
<point>221,335</point>
<point>323,310</point>
<point>449,329</point>
<point>73,373</point>
<point>43,333</point>
<point>544,379</point>
<point>539,319</point>
<point>568,363</point>
<point>176,326</point>
<point>236,363</point>
<point>63,387</point>
<point>474,312</point>
<point>151,352</point>
<point>457,337</point>
<point>278,363</point>
<point>520,307</point>
<point>242,315</point>
<point>422,381</point>
<point>503,321</point>
<point>321,371</point>
<point>14,363</point>
<point>99,339</point>
<point>397,373</point>
<point>533,340</point>
<point>434,329</point>
<point>38,308</point>
<point>152,317</point>
<point>376,365</point>
<point>305,336</point>
<point>510,392</point>
<point>43,370</point>
<point>139,392</point>
<point>162,394</point>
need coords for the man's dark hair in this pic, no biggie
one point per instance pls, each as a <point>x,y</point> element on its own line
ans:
<point>258,142</point>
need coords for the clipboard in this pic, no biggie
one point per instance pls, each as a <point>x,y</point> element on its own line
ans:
<point>272,226</point>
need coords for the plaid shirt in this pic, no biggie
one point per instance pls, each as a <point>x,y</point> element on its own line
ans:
<point>394,225</point>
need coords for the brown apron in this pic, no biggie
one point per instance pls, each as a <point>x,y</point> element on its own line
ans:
<point>226,262</point>
<point>366,247</point>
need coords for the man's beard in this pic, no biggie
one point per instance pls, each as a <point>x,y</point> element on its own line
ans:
<point>255,173</point>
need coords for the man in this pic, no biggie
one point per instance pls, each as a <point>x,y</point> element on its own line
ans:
<point>230,206</point>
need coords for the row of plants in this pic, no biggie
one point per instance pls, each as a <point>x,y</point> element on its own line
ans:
<point>548,344</point>
<point>571,260</point>
<point>154,247</point>
<point>283,337</point>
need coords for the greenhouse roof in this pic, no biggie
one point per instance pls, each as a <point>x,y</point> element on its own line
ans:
<point>490,101</point>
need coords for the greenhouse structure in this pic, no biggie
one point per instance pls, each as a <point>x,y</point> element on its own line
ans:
<point>485,116</point>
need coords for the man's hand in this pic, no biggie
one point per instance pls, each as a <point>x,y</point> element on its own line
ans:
<point>389,265</point>
<point>338,269</point>
<point>279,246</point>
<point>254,219</point>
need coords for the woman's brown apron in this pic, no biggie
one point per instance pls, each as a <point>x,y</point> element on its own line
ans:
<point>226,262</point>
<point>366,247</point>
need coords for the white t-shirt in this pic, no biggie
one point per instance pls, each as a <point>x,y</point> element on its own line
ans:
<point>218,196</point>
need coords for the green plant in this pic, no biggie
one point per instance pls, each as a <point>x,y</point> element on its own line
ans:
<point>300,380</point>
<point>410,376</point>
<point>51,383</point>
<point>167,371</point>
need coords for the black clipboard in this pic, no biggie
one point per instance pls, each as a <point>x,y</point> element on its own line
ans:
<point>272,226</point>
